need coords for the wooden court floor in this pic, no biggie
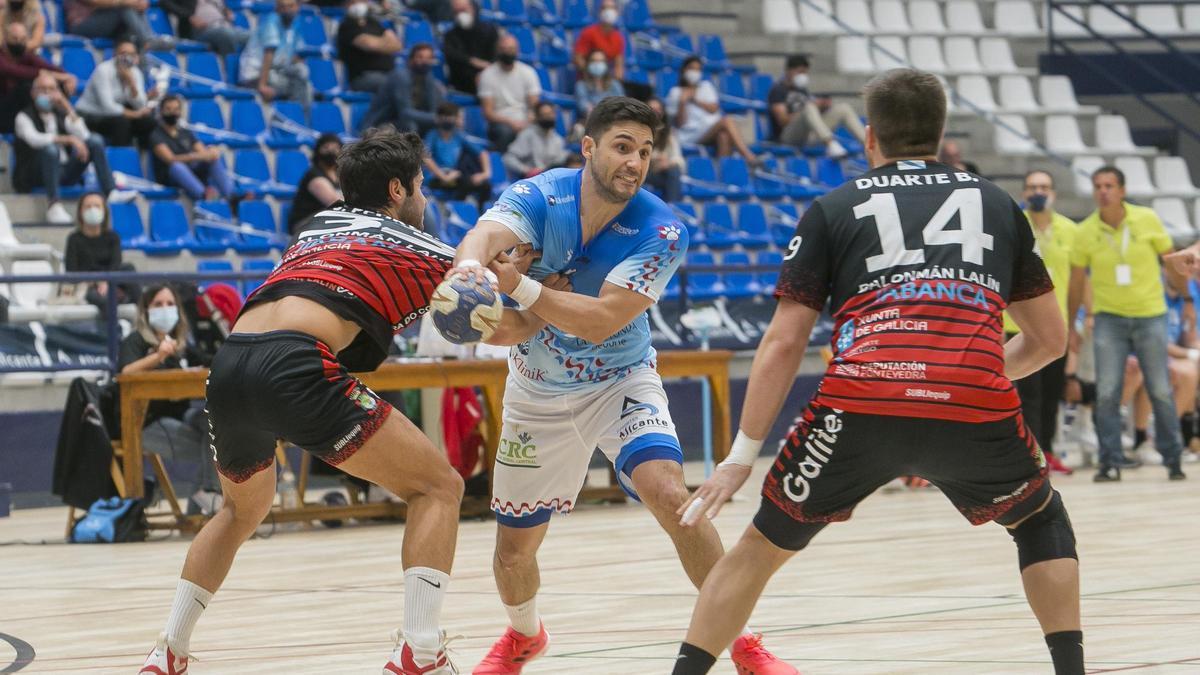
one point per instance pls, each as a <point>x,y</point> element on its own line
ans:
<point>906,586</point>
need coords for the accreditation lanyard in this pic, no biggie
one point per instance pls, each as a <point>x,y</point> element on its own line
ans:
<point>1123,272</point>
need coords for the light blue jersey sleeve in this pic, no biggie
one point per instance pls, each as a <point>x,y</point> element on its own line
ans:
<point>652,264</point>
<point>522,209</point>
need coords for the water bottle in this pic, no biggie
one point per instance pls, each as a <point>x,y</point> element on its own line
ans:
<point>289,496</point>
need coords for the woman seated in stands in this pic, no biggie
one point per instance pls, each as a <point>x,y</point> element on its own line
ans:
<point>176,430</point>
<point>666,162</point>
<point>318,187</point>
<point>94,247</point>
<point>695,110</point>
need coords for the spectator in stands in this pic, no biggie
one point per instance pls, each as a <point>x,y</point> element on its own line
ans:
<point>367,48</point>
<point>95,247</point>
<point>456,163</point>
<point>111,19</point>
<point>212,24</point>
<point>539,146</point>
<point>176,430</point>
<point>798,117</point>
<point>271,63</point>
<point>470,46</point>
<point>319,186</point>
<point>53,147</point>
<point>508,92</point>
<point>1042,391</point>
<point>410,98</point>
<point>695,110</point>
<point>1120,245</point>
<point>952,154</point>
<point>115,103</point>
<point>596,82</point>
<point>180,159</point>
<point>605,37</point>
<point>28,14</point>
<point>666,162</point>
<point>19,65</point>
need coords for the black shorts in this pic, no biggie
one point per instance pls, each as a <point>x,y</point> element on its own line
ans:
<point>289,385</point>
<point>833,459</point>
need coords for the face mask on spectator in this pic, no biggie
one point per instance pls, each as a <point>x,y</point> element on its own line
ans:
<point>419,68</point>
<point>506,58</point>
<point>1038,202</point>
<point>597,68</point>
<point>546,124</point>
<point>357,11</point>
<point>800,80</point>
<point>170,120</point>
<point>465,20</point>
<point>126,60</point>
<point>287,19</point>
<point>163,319</point>
<point>17,6</point>
<point>43,101</point>
<point>609,16</point>
<point>692,77</point>
<point>93,215</point>
<point>446,123</point>
<point>17,49</point>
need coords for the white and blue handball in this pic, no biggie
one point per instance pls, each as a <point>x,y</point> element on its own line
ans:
<point>465,311</point>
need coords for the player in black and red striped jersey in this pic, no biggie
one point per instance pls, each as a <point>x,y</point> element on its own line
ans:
<point>360,273</point>
<point>918,260</point>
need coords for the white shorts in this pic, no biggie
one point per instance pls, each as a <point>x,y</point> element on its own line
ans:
<point>547,443</point>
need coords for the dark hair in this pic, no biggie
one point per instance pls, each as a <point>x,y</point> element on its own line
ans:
<point>907,110</point>
<point>616,109</point>
<point>796,61</point>
<point>366,168</point>
<point>170,97</point>
<point>663,136</point>
<point>328,137</point>
<point>125,40</point>
<point>689,61</point>
<point>447,109</point>
<point>545,104</point>
<point>418,47</point>
<point>1108,168</point>
<point>1033,171</point>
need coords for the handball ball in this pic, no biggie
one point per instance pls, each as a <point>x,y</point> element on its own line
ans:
<point>465,312</point>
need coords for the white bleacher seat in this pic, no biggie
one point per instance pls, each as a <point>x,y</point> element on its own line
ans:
<point>963,17</point>
<point>1082,168</point>
<point>1105,22</point>
<point>951,106</point>
<point>31,294</point>
<point>1196,213</point>
<point>779,16</point>
<point>65,377</point>
<point>1171,175</point>
<point>1017,18</point>
<point>1016,94</point>
<point>1057,94</point>
<point>1062,25</point>
<point>961,55</point>
<point>1137,176</point>
<point>68,313</point>
<point>1161,19</point>
<point>1191,18</point>
<point>10,248</point>
<point>855,14</point>
<point>1174,215</point>
<point>996,55</point>
<point>925,16</point>
<point>889,52</point>
<point>890,16</point>
<point>1013,137</point>
<point>1064,137</point>
<point>818,19</point>
<point>974,90</point>
<point>925,51</point>
<point>854,55</point>
<point>22,380</point>
<point>1112,136</point>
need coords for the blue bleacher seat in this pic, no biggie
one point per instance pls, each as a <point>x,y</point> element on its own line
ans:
<point>169,229</point>
<point>241,19</point>
<point>637,16</point>
<point>735,176</point>
<point>767,279</point>
<point>357,112</point>
<point>327,117</point>
<point>752,226</point>
<point>672,290</point>
<point>258,214</point>
<point>158,22</point>
<point>682,47</point>
<point>290,166</point>
<point>246,117</point>
<point>264,266</point>
<point>218,214</point>
<point>686,211</point>
<point>232,73</point>
<point>760,86</point>
<point>126,160</point>
<point>701,182</point>
<point>460,218</point>
<point>549,94</point>
<point>500,179</point>
<point>79,62</point>
<point>830,172</point>
<point>254,175</point>
<point>703,285</point>
<point>526,45</point>
<point>733,93</point>
<point>205,112</point>
<point>802,186</point>
<point>419,30</point>
<point>206,65</point>
<point>215,266</point>
<point>554,49</point>
<point>782,219</point>
<point>127,223</point>
<point>543,13</point>
<point>719,228</point>
<point>766,184</point>
<point>312,31</point>
<point>473,122</point>
<point>511,12</point>
<point>323,76</point>
<point>576,14</point>
<point>646,51</point>
<point>739,284</point>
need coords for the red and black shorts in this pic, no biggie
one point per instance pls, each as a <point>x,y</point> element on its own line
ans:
<point>289,385</point>
<point>832,460</point>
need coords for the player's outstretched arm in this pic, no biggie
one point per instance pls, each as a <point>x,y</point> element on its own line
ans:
<point>1042,339</point>
<point>481,245</point>
<point>771,377</point>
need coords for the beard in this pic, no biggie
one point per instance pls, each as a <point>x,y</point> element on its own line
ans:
<point>604,189</point>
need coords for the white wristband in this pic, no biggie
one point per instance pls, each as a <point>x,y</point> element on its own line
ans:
<point>1194,354</point>
<point>744,450</point>
<point>527,291</point>
<point>469,262</point>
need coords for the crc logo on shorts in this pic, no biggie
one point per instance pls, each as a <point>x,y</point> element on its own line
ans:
<point>519,453</point>
<point>647,417</point>
<point>819,444</point>
<point>363,398</point>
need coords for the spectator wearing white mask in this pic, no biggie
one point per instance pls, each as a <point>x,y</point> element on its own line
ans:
<point>470,46</point>
<point>605,37</point>
<point>596,83</point>
<point>695,111</point>
<point>798,117</point>
<point>366,47</point>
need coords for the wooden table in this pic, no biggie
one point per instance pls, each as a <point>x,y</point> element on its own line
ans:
<point>139,389</point>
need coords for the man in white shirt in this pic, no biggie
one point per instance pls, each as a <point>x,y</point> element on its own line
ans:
<point>54,147</point>
<point>508,92</point>
<point>114,103</point>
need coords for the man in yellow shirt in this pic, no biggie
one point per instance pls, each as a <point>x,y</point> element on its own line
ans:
<point>1055,234</point>
<point>1120,244</point>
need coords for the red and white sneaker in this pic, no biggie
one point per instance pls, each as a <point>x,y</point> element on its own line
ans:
<point>162,660</point>
<point>1057,466</point>
<point>403,662</point>
<point>512,651</point>
<point>752,658</point>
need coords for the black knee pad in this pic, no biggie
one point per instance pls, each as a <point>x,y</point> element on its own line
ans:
<point>781,529</point>
<point>1046,535</point>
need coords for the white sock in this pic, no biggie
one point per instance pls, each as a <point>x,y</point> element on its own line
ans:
<point>424,590</point>
<point>190,601</point>
<point>524,617</point>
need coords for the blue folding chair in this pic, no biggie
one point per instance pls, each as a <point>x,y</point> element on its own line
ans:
<point>290,166</point>
<point>719,228</point>
<point>752,226</point>
<point>127,223</point>
<point>736,177</point>
<point>703,285</point>
<point>739,284</point>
